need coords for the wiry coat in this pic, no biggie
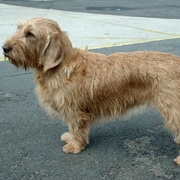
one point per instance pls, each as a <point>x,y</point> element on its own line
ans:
<point>82,87</point>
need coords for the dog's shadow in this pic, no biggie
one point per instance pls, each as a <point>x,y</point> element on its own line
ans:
<point>142,134</point>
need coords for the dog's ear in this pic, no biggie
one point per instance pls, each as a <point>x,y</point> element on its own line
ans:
<point>53,52</point>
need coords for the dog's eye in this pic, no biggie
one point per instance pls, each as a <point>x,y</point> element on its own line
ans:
<point>29,34</point>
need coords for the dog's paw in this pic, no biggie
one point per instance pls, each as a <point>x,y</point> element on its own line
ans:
<point>66,137</point>
<point>177,160</point>
<point>177,139</point>
<point>72,147</point>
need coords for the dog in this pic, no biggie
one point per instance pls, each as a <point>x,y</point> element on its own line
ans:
<point>82,87</point>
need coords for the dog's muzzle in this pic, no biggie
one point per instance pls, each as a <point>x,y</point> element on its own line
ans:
<point>6,49</point>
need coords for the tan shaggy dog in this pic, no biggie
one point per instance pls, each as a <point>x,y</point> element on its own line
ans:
<point>82,87</point>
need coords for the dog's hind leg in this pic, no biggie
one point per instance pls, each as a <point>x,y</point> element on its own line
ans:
<point>177,160</point>
<point>169,107</point>
<point>171,114</point>
<point>77,137</point>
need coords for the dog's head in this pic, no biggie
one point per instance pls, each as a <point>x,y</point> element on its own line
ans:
<point>37,43</point>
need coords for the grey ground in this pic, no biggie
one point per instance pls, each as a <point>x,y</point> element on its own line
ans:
<point>144,8</point>
<point>139,148</point>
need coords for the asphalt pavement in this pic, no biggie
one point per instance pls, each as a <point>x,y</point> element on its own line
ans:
<point>138,148</point>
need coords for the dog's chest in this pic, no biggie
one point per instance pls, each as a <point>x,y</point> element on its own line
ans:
<point>52,99</point>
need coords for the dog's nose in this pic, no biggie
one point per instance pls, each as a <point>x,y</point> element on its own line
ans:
<point>6,48</point>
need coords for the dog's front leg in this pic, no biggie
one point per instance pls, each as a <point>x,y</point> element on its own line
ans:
<point>177,139</point>
<point>77,137</point>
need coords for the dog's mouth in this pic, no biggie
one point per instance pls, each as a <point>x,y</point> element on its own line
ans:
<point>10,59</point>
<point>15,62</point>
<point>7,51</point>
